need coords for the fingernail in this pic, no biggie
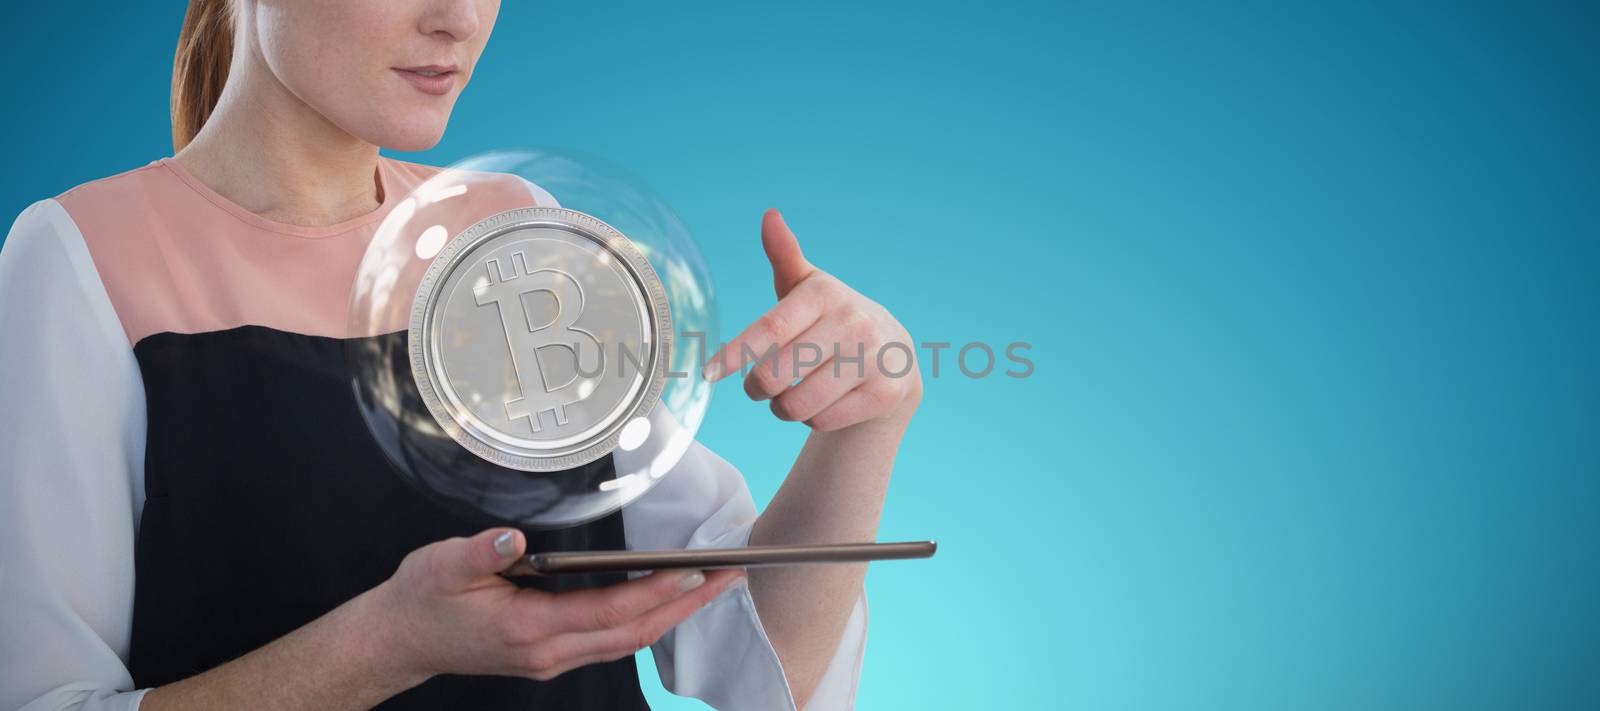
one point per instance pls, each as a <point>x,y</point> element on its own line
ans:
<point>691,581</point>
<point>712,370</point>
<point>506,544</point>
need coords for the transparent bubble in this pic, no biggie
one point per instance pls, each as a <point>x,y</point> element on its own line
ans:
<point>540,322</point>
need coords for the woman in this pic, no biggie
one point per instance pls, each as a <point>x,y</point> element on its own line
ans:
<point>193,514</point>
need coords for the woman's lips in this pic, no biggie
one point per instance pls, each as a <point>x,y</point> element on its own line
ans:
<point>430,80</point>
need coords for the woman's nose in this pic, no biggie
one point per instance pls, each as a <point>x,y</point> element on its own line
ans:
<point>457,19</point>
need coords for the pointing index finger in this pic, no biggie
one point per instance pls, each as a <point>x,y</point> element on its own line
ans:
<point>791,317</point>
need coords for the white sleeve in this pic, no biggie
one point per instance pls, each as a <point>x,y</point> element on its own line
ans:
<point>721,655</point>
<point>71,466</point>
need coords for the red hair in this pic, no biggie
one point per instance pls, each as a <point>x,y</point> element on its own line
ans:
<point>200,68</point>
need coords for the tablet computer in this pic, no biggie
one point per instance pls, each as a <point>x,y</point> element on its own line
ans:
<point>709,558</point>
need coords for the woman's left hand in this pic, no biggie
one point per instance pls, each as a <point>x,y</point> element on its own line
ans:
<point>853,361</point>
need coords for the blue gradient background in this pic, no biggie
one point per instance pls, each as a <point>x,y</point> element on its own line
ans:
<point>1312,294</point>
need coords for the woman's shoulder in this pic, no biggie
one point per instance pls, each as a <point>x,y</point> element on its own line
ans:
<point>46,216</point>
<point>120,184</point>
<point>48,280</point>
<point>101,231</point>
<point>54,219</point>
<point>118,206</point>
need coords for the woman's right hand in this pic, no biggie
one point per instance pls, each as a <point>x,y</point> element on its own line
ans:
<point>447,611</point>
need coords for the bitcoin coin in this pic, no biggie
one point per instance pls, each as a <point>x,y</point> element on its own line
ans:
<point>537,335</point>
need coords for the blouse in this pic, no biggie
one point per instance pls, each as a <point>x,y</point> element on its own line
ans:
<point>98,286</point>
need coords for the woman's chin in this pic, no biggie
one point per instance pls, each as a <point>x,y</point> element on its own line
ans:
<point>410,139</point>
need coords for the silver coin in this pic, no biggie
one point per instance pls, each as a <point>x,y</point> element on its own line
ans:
<point>536,335</point>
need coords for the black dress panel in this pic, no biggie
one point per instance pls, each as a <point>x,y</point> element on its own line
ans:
<point>268,504</point>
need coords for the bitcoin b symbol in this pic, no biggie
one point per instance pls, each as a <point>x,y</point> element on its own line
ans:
<point>529,330</point>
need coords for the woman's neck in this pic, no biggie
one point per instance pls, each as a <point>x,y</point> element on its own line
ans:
<point>270,153</point>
